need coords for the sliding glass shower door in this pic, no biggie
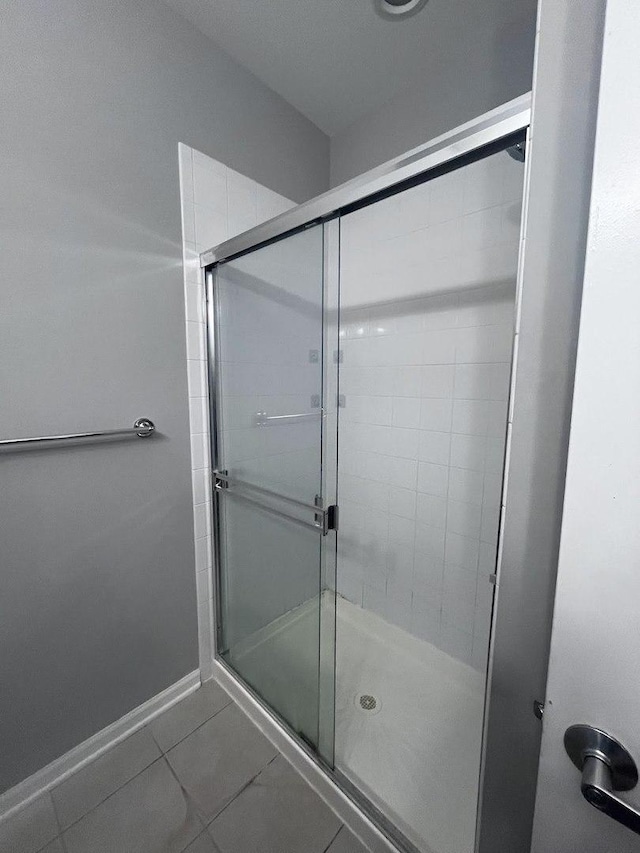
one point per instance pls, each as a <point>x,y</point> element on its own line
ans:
<point>427,301</point>
<point>272,448</point>
<point>397,313</point>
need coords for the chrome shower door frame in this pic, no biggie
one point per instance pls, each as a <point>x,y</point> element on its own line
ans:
<point>490,132</point>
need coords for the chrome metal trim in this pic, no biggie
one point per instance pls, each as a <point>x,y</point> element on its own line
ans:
<point>142,428</point>
<point>374,814</point>
<point>318,527</point>
<point>497,124</point>
<point>262,418</point>
<point>214,433</point>
<point>329,477</point>
<point>606,766</point>
<point>494,577</point>
<point>225,480</point>
<point>398,11</point>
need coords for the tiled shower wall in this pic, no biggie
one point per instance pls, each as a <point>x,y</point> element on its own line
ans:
<point>427,291</point>
<point>217,203</point>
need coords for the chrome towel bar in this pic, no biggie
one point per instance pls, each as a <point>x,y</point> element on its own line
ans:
<point>142,428</point>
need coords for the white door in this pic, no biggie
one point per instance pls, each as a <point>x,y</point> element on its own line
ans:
<point>594,674</point>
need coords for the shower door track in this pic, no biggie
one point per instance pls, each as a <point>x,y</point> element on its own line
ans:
<point>496,130</point>
<point>444,153</point>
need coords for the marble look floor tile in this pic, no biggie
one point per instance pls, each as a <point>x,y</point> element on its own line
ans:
<point>87,788</point>
<point>28,830</point>
<point>278,813</point>
<point>150,814</point>
<point>346,842</point>
<point>219,759</point>
<point>175,724</point>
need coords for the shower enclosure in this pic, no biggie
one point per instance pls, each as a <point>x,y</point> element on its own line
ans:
<point>360,354</point>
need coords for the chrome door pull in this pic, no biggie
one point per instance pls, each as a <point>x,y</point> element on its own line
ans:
<point>262,418</point>
<point>324,518</point>
<point>606,767</point>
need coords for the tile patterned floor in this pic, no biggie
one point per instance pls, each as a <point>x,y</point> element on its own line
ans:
<point>201,778</point>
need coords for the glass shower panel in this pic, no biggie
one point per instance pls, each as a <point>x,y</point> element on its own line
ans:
<point>270,331</point>
<point>269,481</point>
<point>427,288</point>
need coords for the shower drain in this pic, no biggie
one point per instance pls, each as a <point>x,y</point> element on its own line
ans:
<point>367,703</point>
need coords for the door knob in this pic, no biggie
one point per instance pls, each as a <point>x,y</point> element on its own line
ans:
<point>606,767</point>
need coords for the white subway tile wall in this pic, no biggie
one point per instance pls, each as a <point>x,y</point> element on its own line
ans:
<point>217,203</point>
<point>427,290</point>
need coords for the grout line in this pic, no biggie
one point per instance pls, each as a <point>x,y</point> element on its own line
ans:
<point>191,804</point>
<point>113,793</point>
<point>205,832</point>
<point>247,784</point>
<point>60,835</point>
<point>139,773</point>
<point>153,737</point>
<point>177,743</point>
<point>340,828</point>
<point>55,838</point>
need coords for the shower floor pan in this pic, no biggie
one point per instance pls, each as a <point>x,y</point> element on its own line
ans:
<point>408,724</point>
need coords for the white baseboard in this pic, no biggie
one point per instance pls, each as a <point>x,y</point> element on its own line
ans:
<point>51,775</point>
<point>320,781</point>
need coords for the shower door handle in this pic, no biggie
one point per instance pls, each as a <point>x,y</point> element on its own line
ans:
<point>606,767</point>
<point>324,518</point>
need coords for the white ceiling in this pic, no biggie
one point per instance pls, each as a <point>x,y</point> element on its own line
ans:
<point>336,60</point>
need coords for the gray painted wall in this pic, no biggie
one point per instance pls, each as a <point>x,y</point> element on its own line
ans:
<point>473,66</point>
<point>97,598</point>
